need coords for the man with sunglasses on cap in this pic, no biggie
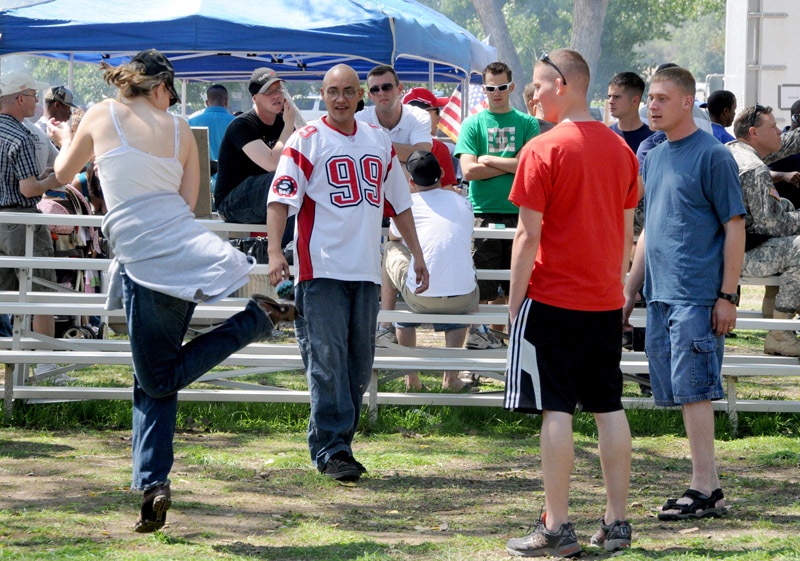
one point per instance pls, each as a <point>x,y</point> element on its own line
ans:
<point>250,150</point>
<point>488,146</point>
<point>20,188</point>
<point>772,222</point>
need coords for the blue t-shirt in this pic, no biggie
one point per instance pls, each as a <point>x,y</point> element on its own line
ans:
<point>217,120</point>
<point>691,190</point>
<point>721,134</point>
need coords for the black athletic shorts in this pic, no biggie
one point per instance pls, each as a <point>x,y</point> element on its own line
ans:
<point>560,360</point>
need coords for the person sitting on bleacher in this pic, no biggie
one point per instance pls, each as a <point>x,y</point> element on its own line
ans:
<point>250,149</point>
<point>444,221</point>
<point>772,223</point>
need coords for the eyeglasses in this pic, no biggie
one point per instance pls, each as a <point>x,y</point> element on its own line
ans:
<point>500,88</point>
<point>545,58</point>
<point>36,95</point>
<point>754,117</point>
<point>387,87</point>
<point>347,93</point>
<point>274,93</point>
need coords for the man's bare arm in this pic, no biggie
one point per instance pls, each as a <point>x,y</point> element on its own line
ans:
<point>474,170</point>
<point>404,151</point>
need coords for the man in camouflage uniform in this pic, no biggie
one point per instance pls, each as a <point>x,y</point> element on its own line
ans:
<point>772,223</point>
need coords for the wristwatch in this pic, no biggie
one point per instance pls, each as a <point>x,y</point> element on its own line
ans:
<point>732,298</point>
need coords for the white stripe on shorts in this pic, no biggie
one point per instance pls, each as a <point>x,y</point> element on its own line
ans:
<point>521,360</point>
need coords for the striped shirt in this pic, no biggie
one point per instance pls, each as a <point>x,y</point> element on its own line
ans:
<point>17,162</point>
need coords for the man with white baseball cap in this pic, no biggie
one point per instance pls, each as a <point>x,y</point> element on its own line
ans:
<point>20,189</point>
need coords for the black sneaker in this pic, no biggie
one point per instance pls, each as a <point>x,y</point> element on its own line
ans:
<point>341,467</point>
<point>359,465</point>
<point>542,542</point>
<point>155,504</point>
<point>614,536</point>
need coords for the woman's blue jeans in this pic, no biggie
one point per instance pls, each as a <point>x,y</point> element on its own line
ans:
<point>336,335</point>
<point>163,365</point>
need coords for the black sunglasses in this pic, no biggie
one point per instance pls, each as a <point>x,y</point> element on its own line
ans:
<point>756,110</point>
<point>387,87</point>
<point>545,58</point>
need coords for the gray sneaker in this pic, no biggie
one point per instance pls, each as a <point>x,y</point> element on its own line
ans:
<point>480,339</point>
<point>385,335</point>
<point>614,536</point>
<point>542,542</point>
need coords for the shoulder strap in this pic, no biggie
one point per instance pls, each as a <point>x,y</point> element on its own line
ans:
<point>114,118</point>
<point>177,135</point>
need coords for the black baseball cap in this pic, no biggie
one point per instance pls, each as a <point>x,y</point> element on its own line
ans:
<point>261,79</point>
<point>155,63</point>
<point>424,168</point>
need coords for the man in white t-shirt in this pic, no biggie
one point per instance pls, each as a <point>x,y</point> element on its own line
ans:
<point>444,222</point>
<point>338,177</point>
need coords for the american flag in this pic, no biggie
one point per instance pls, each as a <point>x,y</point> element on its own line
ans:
<point>450,122</point>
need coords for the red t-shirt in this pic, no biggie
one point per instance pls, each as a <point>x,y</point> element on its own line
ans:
<point>581,177</point>
<point>439,149</point>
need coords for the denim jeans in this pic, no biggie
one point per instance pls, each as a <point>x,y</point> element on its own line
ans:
<point>163,365</point>
<point>247,202</point>
<point>336,335</point>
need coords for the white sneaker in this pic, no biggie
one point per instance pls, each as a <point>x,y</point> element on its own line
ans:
<point>480,339</point>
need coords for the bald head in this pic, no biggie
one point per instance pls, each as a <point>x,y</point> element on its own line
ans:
<point>341,91</point>
<point>341,72</point>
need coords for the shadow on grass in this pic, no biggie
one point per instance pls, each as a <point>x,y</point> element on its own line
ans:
<point>327,552</point>
<point>21,449</point>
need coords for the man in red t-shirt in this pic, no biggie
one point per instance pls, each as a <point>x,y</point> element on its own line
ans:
<point>576,188</point>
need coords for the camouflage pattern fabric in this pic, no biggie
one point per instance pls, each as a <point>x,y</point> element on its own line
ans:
<point>778,256</point>
<point>767,212</point>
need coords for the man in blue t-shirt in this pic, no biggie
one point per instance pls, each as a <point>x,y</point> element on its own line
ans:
<point>690,267</point>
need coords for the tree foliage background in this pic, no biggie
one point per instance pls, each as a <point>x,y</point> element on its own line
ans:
<point>637,35</point>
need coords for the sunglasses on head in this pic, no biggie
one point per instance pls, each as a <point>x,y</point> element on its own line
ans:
<point>387,87</point>
<point>545,58</point>
<point>500,88</point>
<point>754,117</point>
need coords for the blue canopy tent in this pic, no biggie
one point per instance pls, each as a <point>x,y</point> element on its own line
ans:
<point>224,40</point>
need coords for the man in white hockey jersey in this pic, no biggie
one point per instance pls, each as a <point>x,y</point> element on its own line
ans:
<point>339,178</point>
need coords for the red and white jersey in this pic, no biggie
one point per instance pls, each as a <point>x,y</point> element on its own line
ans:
<point>340,187</point>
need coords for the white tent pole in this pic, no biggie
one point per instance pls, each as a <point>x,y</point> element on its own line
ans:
<point>71,73</point>
<point>183,98</point>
